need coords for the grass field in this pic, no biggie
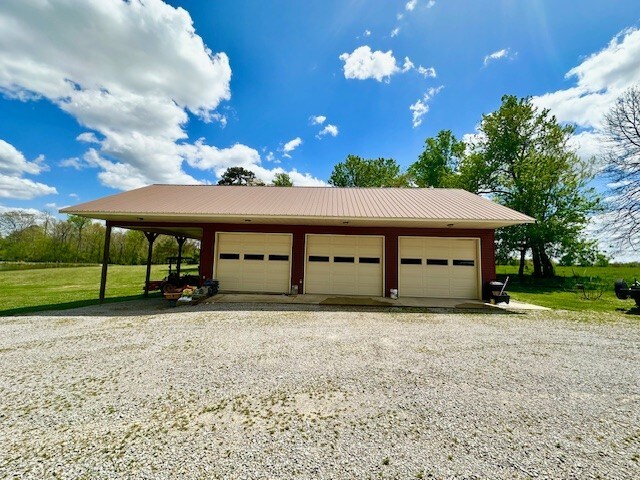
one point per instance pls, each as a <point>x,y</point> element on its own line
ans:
<point>23,291</point>
<point>561,292</point>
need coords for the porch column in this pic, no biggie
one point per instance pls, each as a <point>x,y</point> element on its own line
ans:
<point>151,237</point>
<point>181,241</point>
<point>207,244</point>
<point>105,261</point>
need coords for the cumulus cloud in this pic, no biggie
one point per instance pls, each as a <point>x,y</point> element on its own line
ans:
<point>367,33</point>
<point>13,162</point>
<point>128,71</point>
<point>599,80</point>
<point>291,145</point>
<point>328,130</point>
<point>497,55</point>
<point>411,4</point>
<point>317,119</point>
<point>421,107</point>
<point>13,167</point>
<point>363,64</point>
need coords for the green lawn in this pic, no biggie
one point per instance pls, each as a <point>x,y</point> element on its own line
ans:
<point>24,291</point>
<point>561,292</point>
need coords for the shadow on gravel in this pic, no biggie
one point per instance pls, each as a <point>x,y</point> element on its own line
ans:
<point>137,306</point>
<point>55,308</point>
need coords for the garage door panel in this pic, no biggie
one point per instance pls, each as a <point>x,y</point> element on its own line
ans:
<point>244,262</point>
<point>438,267</point>
<point>344,265</point>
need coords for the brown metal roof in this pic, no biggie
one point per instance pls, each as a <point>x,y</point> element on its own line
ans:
<point>316,205</point>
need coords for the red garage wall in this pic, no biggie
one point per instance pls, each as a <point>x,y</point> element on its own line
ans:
<point>391,234</point>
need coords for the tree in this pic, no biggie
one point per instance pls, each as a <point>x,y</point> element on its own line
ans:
<point>522,159</point>
<point>436,164</point>
<point>282,180</point>
<point>359,172</point>
<point>79,223</point>
<point>622,131</point>
<point>239,176</point>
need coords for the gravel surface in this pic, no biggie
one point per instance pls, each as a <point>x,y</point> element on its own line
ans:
<point>268,391</point>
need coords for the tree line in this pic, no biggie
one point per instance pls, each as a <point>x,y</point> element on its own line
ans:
<point>41,237</point>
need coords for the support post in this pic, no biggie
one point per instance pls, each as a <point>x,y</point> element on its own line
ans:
<point>105,261</point>
<point>181,241</point>
<point>151,237</point>
<point>207,244</point>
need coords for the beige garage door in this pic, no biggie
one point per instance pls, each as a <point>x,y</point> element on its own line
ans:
<point>344,265</point>
<point>254,262</point>
<point>438,267</point>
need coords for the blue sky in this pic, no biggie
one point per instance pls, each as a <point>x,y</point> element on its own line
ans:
<point>100,96</point>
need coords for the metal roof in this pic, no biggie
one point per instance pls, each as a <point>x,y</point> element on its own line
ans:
<point>302,205</point>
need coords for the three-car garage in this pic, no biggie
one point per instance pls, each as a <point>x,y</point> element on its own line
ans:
<point>422,242</point>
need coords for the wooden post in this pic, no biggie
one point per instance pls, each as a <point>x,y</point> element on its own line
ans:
<point>151,237</point>
<point>105,261</point>
<point>181,241</point>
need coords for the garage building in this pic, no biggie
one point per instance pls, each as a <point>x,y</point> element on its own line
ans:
<point>422,242</point>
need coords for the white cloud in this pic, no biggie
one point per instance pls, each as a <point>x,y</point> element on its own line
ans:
<point>408,65</point>
<point>421,107</point>
<point>22,188</point>
<point>587,144</point>
<point>73,195</point>
<point>88,137</point>
<point>395,32</point>
<point>291,145</point>
<point>400,16</point>
<point>429,72</point>
<point>72,162</point>
<point>137,99</point>
<point>600,79</point>
<point>328,130</point>
<point>504,53</point>
<point>431,3</point>
<point>31,211</point>
<point>411,4</point>
<point>13,165</point>
<point>12,162</point>
<point>363,64</point>
<point>317,119</point>
<point>367,33</point>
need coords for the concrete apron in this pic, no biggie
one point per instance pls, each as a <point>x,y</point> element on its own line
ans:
<point>345,300</point>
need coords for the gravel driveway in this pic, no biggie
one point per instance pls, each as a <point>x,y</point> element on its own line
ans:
<point>268,391</point>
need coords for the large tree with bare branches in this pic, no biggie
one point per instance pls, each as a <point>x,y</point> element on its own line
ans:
<point>622,129</point>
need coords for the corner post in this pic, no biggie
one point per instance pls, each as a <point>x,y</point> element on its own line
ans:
<point>151,237</point>
<point>105,261</point>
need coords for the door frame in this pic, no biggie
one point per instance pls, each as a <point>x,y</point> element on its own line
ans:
<point>382,259</point>
<point>217,249</point>
<point>478,242</point>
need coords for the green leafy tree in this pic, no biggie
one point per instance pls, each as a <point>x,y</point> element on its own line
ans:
<point>522,159</point>
<point>359,172</point>
<point>238,176</point>
<point>282,180</point>
<point>436,165</point>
